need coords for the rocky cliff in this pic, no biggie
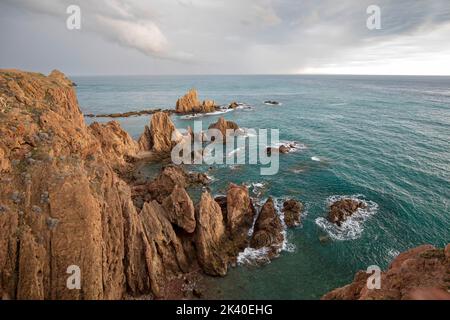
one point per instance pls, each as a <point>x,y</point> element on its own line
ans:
<point>68,204</point>
<point>421,273</point>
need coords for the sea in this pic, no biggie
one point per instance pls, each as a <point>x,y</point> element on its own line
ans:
<point>384,140</point>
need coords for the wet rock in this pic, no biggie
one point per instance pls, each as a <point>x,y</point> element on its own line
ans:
<point>341,210</point>
<point>292,210</point>
<point>268,229</point>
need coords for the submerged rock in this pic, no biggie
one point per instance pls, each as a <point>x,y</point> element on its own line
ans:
<point>341,210</point>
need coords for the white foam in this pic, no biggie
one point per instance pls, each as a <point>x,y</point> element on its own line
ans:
<point>315,159</point>
<point>252,256</point>
<point>353,227</point>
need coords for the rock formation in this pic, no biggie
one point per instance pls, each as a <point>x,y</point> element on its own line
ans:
<point>63,205</point>
<point>189,103</point>
<point>210,236</point>
<point>341,210</point>
<point>268,229</point>
<point>421,273</point>
<point>223,125</point>
<point>179,209</point>
<point>240,210</point>
<point>161,135</point>
<point>292,210</point>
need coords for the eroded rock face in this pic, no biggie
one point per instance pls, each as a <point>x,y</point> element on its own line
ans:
<point>161,135</point>
<point>190,103</point>
<point>292,210</point>
<point>341,210</point>
<point>170,176</point>
<point>179,209</point>
<point>240,210</point>
<point>210,237</point>
<point>116,143</point>
<point>62,194</point>
<point>268,229</point>
<point>420,273</point>
<point>164,252</point>
<point>223,125</point>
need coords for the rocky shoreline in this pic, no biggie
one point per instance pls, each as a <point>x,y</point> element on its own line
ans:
<point>70,197</point>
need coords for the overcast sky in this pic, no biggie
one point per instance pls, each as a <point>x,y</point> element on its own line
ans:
<point>226,37</point>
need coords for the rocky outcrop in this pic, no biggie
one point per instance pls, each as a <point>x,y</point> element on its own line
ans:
<point>115,142</point>
<point>223,125</point>
<point>161,135</point>
<point>421,273</point>
<point>292,210</point>
<point>210,237</point>
<point>190,103</point>
<point>268,229</point>
<point>342,209</point>
<point>240,210</point>
<point>164,253</point>
<point>179,209</point>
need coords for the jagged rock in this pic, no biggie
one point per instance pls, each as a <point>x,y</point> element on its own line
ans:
<point>210,236</point>
<point>164,253</point>
<point>268,229</point>
<point>223,125</point>
<point>179,209</point>
<point>115,142</point>
<point>420,273</point>
<point>233,105</point>
<point>292,210</point>
<point>161,135</point>
<point>189,103</point>
<point>240,210</point>
<point>341,210</point>
<point>170,176</point>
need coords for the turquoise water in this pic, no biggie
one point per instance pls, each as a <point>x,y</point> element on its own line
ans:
<point>385,139</point>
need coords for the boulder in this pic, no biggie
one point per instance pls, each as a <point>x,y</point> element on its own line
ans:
<point>342,209</point>
<point>292,210</point>
<point>210,237</point>
<point>268,229</point>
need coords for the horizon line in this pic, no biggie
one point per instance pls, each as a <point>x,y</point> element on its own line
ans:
<point>256,74</point>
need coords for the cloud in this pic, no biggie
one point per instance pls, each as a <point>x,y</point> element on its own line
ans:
<point>122,22</point>
<point>259,36</point>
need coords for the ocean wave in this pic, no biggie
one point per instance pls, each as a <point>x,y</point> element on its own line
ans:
<point>353,227</point>
<point>251,256</point>
<point>317,159</point>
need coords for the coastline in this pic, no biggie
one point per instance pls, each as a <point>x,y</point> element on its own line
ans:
<point>101,147</point>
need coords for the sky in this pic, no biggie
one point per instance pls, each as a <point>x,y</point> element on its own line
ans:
<point>142,37</point>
